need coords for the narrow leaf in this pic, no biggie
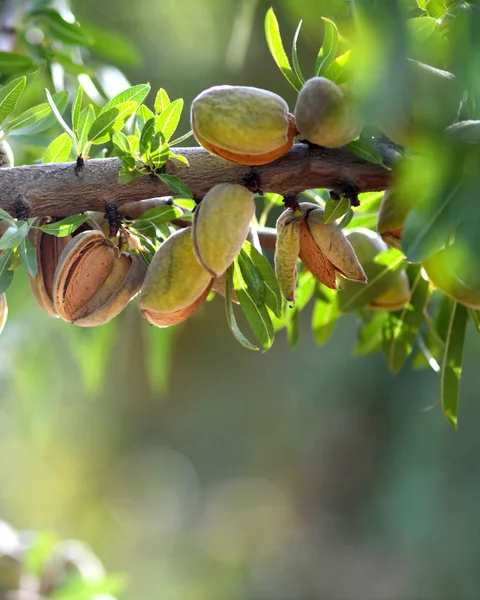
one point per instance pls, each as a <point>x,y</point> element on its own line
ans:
<point>452,362</point>
<point>293,327</point>
<point>9,95</point>
<point>110,121</point>
<point>14,235</point>
<point>48,120</point>
<point>161,101</point>
<point>295,61</point>
<point>181,139</point>
<point>58,150</point>
<point>275,45</point>
<point>168,121</point>
<point>136,94</point>
<point>76,110</point>
<point>64,227</point>
<point>122,142</point>
<point>32,115</point>
<point>59,117</point>
<point>335,209</point>
<point>87,117</point>
<point>328,51</point>
<point>11,62</point>
<point>6,275</point>
<point>401,327</point>
<point>176,185</point>
<point>365,150</point>
<point>273,295</point>
<point>325,315</point>
<point>5,216</point>
<point>142,115</point>
<point>28,256</point>
<point>253,279</point>
<point>232,323</point>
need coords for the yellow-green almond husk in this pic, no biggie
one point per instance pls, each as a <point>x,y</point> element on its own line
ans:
<point>392,215</point>
<point>220,226</point>
<point>287,249</point>
<point>368,245</point>
<point>175,279</point>
<point>3,311</point>
<point>90,274</point>
<point>6,155</point>
<point>454,280</point>
<point>333,243</point>
<point>244,124</point>
<point>324,115</point>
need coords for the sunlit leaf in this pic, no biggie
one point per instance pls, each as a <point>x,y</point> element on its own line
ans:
<point>168,121</point>
<point>253,279</point>
<point>339,70</point>
<point>142,116</point>
<point>272,295</point>
<point>335,209</point>
<point>161,101</point>
<point>31,115</point>
<point>110,121</point>
<point>135,94</point>
<point>176,185</point>
<point>76,109</point>
<point>58,150</point>
<point>181,139</point>
<point>274,41</point>
<point>59,117</point>
<point>87,117</point>
<point>64,227</point>
<point>296,63</point>
<point>452,362</point>
<point>328,51</point>
<point>9,95</point>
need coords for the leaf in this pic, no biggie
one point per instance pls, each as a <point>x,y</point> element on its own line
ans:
<point>340,69</point>
<point>370,334</point>
<point>380,273</point>
<point>176,185</point>
<point>5,216</point>
<point>257,316</point>
<point>181,139</point>
<point>178,157</point>
<point>273,295</point>
<point>121,141</point>
<point>436,8</point>
<point>346,219</point>
<point>452,362</point>
<point>142,115</point>
<point>70,66</point>
<point>48,120</point>
<point>365,150</point>
<point>110,121</point>
<point>325,315</point>
<point>168,121</point>
<point>253,279</point>
<point>58,150</point>
<point>158,350</point>
<point>293,327</point>
<point>11,62</point>
<point>296,64</point>
<point>76,110</point>
<point>65,226</point>
<point>335,209</point>
<point>87,117</point>
<point>59,117</point>
<point>28,256</point>
<point>9,95</point>
<point>14,235</point>
<point>32,115</point>
<point>148,132</point>
<point>274,41</point>
<point>160,214</point>
<point>6,275</point>
<point>402,326</point>
<point>69,33</point>
<point>232,323</point>
<point>161,101</point>
<point>136,94</point>
<point>328,51</point>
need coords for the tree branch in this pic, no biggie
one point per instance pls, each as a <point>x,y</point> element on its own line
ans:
<point>57,190</point>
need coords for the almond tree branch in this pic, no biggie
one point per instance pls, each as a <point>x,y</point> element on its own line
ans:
<point>58,190</point>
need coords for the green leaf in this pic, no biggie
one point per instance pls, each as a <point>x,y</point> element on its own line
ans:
<point>159,351</point>
<point>136,94</point>
<point>436,8</point>
<point>6,275</point>
<point>76,110</point>
<point>28,256</point>
<point>64,227</point>
<point>178,157</point>
<point>335,209</point>
<point>257,316</point>
<point>160,214</point>
<point>346,219</point>
<point>274,41</point>
<point>402,326</point>
<point>365,150</point>
<point>59,117</point>
<point>143,115</point>
<point>370,334</point>
<point>70,66</point>
<point>161,101</point>
<point>176,185</point>
<point>87,117</point>
<point>59,150</point>
<point>295,61</point>
<point>273,295</point>
<point>340,69</point>
<point>253,279</point>
<point>11,62</point>
<point>325,315</point>
<point>293,327</point>
<point>232,323</point>
<point>168,121</point>
<point>452,362</point>
<point>328,51</point>
<point>69,33</point>
<point>380,273</point>
<point>148,131</point>
<point>181,139</point>
<point>121,141</point>
<point>5,216</point>
<point>32,115</point>
<point>48,120</point>
<point>9,95</point>
<point>14,235</point>
<point>110,121</point>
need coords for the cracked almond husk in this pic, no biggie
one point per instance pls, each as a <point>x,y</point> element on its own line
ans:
<point>176,284</point>
<point>94,281</point>
<point>221,225</point>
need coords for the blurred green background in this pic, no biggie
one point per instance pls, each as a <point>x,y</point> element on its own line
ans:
<point>229,474</point>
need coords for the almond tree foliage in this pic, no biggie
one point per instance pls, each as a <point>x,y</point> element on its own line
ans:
<point>405,68</point>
